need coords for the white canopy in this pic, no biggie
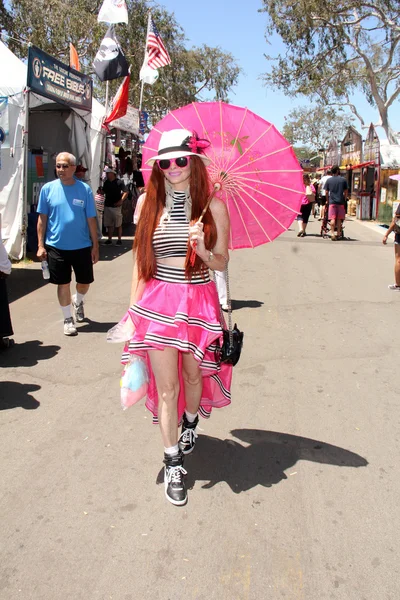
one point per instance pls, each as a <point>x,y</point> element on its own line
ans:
<point>85,140</point>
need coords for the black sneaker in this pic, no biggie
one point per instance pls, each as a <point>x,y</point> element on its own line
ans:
<point>108,242</point>
<point>187,439</point>
<point>175,490</point>
<point>119,243</point>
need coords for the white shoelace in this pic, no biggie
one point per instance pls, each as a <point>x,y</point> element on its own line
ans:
<point>189,436</point>
<point>174,474</point>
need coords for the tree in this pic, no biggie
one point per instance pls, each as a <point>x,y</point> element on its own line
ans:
<point>315,126</point>
<point>335,47</point>
<point>306,155</point>
<point>52,24</point>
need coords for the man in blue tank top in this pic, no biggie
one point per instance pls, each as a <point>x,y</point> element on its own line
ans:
<point>67,237</point>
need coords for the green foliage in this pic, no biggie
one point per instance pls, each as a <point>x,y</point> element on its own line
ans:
<point>315,126</point>
<point>335,47</point>
<point>195,74</point>
<point>304,153</point>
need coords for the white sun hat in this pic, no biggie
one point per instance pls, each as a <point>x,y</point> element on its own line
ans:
<point>179,142</point>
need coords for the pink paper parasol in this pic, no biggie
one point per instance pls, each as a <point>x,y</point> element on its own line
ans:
<point>260,176</point>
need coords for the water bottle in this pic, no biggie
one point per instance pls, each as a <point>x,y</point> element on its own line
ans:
<point>45,269</point>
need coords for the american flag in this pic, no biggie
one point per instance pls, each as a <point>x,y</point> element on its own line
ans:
<point>158,54</point>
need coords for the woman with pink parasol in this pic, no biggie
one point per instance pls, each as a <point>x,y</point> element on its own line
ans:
<point>174,305</point>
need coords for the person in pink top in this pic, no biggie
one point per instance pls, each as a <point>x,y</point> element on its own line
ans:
<point>306,206</point>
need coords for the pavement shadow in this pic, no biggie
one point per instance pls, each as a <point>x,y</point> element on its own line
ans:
<point>23,281</point>
<point>238,304</point>
<point>88,326</point>
<point>111,252</point>
<point>14,395</point>
<point>27,354</point>
<point>263,461</point>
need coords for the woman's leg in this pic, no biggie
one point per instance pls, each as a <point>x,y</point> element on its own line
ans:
<point>164,364</point>
<point>397,264</point>
<point>300,224</point>
<point>306,210</point>
<point>193,382</point>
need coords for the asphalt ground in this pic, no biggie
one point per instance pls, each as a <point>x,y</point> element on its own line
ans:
<point>293,488</point>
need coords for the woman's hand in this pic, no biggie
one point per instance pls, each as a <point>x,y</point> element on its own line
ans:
<point>196,239</point>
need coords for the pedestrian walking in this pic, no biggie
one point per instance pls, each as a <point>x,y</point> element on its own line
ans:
<point>315,183</point>
<point>67,237</point>
<point>322,195</point>
<point>6,329</point>
<point>80,172</point>
<point>306,205</point>
<point>336,193</point>
<point>395,226</point>
<point>174,305</point>
<point>99,202</point>
<point>115,193</point>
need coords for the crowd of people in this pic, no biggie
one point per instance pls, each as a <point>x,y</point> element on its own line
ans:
<point>328,193</point>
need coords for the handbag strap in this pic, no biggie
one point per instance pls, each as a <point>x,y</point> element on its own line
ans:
<point>228,297</point>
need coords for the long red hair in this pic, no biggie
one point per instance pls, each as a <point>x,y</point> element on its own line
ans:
<point>151,212</point>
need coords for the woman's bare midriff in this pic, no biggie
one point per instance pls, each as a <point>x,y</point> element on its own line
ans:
<point>172,261</point>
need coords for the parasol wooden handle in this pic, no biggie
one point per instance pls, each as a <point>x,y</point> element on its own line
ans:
<point>216,188</point>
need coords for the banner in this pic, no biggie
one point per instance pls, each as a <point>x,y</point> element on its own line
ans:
<point>73,58</point>
<point>130,122</point>
<point>143,117</point>
<point>53,79</point>
<point>113,11</point>
<point>120,102</point>
<point>4,131</point>
<point>147,74</point>
<point>110,62</point>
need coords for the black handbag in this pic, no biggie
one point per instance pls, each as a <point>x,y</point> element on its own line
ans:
<point>231,346</point>
<point>232,337</point>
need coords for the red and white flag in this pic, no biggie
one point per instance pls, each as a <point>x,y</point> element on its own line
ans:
<point>120,102</point>
<point>113,11</point>
<point>157,53</point>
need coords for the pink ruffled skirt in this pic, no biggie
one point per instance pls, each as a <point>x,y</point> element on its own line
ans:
<point>186,317</point>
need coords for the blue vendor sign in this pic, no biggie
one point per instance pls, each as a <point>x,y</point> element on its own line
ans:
<point>53,79</point>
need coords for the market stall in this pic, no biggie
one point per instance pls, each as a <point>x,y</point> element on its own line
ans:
<point>47,108</point>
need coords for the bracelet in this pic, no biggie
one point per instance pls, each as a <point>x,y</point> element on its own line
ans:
<point>210,257</point>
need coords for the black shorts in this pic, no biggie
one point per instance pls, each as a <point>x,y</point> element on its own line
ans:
<point>321,201</point>
<point>61,263</point>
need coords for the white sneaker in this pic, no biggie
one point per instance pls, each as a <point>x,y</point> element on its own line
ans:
<point>78,309</point>
<point>69,327</point>
<point>394,287</point>
<point>224,306</point>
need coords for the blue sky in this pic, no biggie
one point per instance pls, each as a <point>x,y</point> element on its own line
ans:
<point>238,28</point>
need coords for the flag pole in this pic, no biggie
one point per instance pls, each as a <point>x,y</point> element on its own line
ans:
<point>141,97</point>
<point>145,51</point>
<point>104,152</point>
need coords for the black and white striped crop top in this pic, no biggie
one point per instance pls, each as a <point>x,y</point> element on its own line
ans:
<point>171,237</point>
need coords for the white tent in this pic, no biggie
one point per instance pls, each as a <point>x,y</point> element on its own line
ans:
<point>51,126</point>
